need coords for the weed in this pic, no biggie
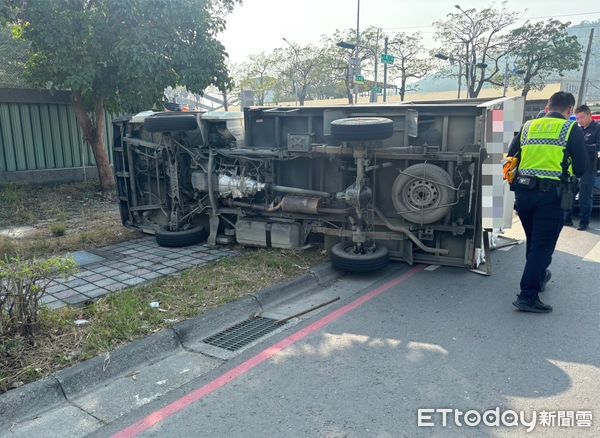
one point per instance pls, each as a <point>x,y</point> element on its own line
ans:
<point>7,247</point>
<point>11,194</point>
<point>58,229</point>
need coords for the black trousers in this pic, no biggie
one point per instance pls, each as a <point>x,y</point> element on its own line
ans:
<point>542,219</point>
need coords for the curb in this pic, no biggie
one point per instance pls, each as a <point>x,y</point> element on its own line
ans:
<point>37,397</point>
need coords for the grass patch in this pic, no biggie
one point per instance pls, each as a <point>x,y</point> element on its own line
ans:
<point>90,216</point>
<point>123,317</point>
<point>26,205</point>
<point>58,229</point>
<point>95,233</point>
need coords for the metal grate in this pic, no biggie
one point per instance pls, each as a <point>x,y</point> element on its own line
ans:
<point>239,335</point>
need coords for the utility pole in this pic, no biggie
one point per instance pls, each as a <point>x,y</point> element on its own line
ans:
<point>357,38</point>
<point>385,47</point>
<point>373,92</point>
<point>585,69</point>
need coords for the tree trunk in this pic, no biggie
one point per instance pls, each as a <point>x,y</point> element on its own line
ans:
<point>302,95</point>
<point>225,103</point>
<point>525,90</point>
<point>403,88</point>
<point>93,133</point>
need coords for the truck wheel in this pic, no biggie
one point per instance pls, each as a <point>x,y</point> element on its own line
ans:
<point>171,123</point>
<point>422,193</point>
<point>362,129</point>
<point>344,258</point>
<point>176,239</point>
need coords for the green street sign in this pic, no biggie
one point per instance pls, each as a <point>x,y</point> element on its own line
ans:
<point>359,79</point>
<point>387,59</point>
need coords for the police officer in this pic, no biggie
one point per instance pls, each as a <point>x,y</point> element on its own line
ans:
<point>548,148</point>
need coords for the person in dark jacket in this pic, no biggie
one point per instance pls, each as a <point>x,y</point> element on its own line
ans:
<point>547,149</point>
<point>591,134</point>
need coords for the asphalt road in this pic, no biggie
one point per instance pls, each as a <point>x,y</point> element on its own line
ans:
<point>415,339</point>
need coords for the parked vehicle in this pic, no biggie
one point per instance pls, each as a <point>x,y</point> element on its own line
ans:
<point>370,183</point>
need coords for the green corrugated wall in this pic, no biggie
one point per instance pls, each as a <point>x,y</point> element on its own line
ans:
<point>35,136</point>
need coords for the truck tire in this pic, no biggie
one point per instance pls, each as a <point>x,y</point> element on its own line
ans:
<point>175,239</point>
<point>171,123</point>
<point>362,129</point>
<point>345,259</point>
<point>422,193</point>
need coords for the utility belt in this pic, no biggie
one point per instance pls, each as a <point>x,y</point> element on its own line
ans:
<point>565,188</point>
<point>532,182</point>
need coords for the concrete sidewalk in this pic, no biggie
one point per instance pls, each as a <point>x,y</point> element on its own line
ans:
<point>117,267</point>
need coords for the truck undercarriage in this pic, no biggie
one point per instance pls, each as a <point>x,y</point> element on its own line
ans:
<point>370,183</point>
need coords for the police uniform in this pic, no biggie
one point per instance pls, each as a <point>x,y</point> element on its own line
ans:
<point>541,146</point>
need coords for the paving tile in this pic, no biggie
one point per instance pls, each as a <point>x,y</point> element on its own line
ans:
<point>198,262</point>
<point>129,251</point>
<point>101,269</point>
<point>139,272</point>
<point>94,278</point>
<point>86,288</point>
<point>128,267</point>
<point>55,305</point>
<point>98,292</point>
<point>167,271</point>
<point>133,281</point>
<point>112,273</point>
<point>186,259</point>
<point>172,255</point>
<point>144,264</point>
<point>56,288</point>
<point>75,283</point>
<point>211,257</point>
<point>47,299</point>
<point>105,282</point>
<point>76,299</point>
<point>151,259</point>
<point>115,287</point>
<point>132,260</point>
<point>151,275</point>
<point>122,277</point>
<point>65,294</point>
<point>170,263</point>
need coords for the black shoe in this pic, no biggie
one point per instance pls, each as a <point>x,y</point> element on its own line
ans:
<point>547,277</point>
<point>568,222</point>
<point>582,226</point>
<point>531,305</point>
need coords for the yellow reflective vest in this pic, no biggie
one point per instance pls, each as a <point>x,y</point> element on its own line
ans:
<point>543,144</point>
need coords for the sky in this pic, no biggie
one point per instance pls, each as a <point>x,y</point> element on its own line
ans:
<point>260,25</point>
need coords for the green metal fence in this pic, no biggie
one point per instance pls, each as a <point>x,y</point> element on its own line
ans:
<point>39,131</point>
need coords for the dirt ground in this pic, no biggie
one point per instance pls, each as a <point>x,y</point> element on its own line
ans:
<point>41,220</point>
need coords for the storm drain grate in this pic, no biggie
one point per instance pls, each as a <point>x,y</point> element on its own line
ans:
<point>239,335</point>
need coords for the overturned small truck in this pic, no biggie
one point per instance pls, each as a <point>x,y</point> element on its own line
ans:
<point>371,183</point>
